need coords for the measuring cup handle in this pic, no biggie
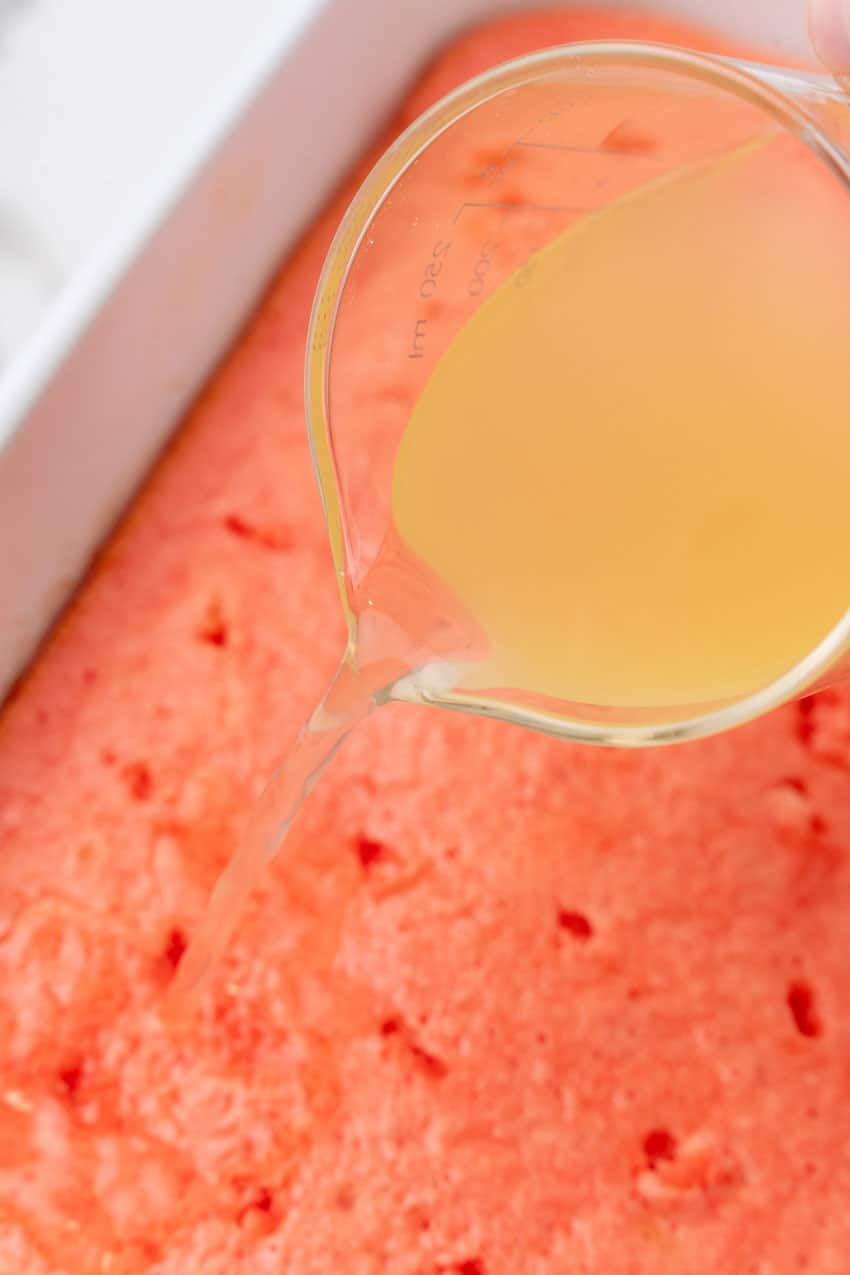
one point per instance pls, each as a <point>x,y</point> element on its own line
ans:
<point>829,31</point>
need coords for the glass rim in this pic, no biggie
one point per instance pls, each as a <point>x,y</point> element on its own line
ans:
<point>747,80</point>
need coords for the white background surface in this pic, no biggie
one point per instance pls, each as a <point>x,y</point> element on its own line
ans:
<point>91,93</point>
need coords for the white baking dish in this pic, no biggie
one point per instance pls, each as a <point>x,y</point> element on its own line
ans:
<point>92,396</point>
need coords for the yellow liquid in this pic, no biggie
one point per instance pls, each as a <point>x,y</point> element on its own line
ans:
<point>632,465</point>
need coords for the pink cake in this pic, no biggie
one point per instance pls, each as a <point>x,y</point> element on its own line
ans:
<point>505,1007</point>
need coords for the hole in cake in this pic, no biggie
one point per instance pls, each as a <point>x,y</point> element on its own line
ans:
<point>369,851</point>
<point>576,923</point>
<point>175,946</point>
<point>213,630</point>
<point>245,530</point>
<point>239,527</point>
<point>792,807</point>
<point>488,157</point>
<point>139,780</point>
<point>257,1205</point>
<point>259,1218</point>
<point>805,724</point>
<point>70,1078</point>
<point>426,1061</point>
<point>430,1063</point>
<point>801,1002</point>
<point>629,139</point>
<point>472,1266</point>
<point>659,1144</point>
<point>794,781</point>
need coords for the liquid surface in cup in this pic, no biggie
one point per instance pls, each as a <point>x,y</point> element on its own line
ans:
<point>632,464</point>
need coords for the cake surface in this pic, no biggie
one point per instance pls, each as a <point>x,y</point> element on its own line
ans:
<point>505,1006</point>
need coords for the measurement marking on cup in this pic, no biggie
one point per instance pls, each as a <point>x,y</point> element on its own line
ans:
<point>582,150</point>
<point>419,334</point>
<point>481,269</point>
<point>439,252</point>
<point>427,287</point>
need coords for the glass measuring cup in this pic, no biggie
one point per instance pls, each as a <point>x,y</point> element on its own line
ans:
<point>442,215</point>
